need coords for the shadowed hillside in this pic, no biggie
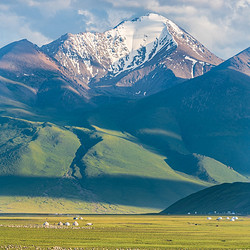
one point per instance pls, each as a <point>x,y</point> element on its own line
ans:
<point>222,198</point>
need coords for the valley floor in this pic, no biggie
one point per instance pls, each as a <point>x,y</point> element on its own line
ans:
<point>125,232</point>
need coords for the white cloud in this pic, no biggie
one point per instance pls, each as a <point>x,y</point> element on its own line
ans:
<point>4,7</point>
<point>117,16</point>
<point>242,3</point>
<point>15,28</point>
<point>221,25</point>
<point>88,18</point>
<point>96,23</point>
<point>215,4</point>
<point>175,10</point>
<point>125,3</point>
<point>48,7</point>
<point>92,22</point>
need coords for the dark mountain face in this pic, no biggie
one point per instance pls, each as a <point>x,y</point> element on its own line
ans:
<point>222,198</point>
<point>214,117</point>
<point>214,113</point>
<point>208,115</point>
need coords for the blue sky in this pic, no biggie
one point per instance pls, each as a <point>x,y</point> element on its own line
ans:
<point>221,25</point>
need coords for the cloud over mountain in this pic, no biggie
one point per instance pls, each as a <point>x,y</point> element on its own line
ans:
<point>221,25</point>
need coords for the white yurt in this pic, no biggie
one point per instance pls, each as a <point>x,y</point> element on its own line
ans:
<point>75,223</point>
<point>46,224</point>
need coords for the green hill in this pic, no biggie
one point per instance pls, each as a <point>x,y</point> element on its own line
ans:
<point>70,169</point>
<point>46,167</point>
<point>222,198</point>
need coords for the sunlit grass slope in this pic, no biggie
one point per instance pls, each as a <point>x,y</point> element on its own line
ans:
<point>35,149</point>
<point>121,154</point>
<point>123,171</point>
<point>55,169</point>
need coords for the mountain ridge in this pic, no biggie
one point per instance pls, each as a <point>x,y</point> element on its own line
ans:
<point>95,59</point>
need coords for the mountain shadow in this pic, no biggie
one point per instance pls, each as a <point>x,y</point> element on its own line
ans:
<point>118,190</point>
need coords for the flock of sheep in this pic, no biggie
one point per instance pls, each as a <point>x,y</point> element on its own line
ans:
<point>75,223</point>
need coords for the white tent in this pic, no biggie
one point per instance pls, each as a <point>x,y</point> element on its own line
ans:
<point>60,224</point>
<point>228,218</point>
<point>67,224</point>
<point>89,224</point>
<point>46,224</point>
<point>232,219</point>
<point>219,218</point>
<point>81,218</point>
<point>75,223</point>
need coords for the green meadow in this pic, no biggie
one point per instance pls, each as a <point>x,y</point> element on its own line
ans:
<point>125,232</point>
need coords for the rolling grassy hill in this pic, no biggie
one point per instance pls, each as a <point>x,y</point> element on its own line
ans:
<point>234,197</point>
<point>35,149</point>
<point>46,167</point>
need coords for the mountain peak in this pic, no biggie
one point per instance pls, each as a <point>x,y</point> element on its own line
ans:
<point>23,57</point>
<point>239,62</point>
<point>133,45</point>
<point>19,46</point>
<point>151,16</point>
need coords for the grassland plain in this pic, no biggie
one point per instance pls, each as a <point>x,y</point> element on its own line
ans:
<point>126,232</point>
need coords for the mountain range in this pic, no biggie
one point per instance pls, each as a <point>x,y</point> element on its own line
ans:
<point>125,121</point>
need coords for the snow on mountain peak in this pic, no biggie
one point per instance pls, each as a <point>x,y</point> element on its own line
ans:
<point>124,48</point>
<point>141,39</point>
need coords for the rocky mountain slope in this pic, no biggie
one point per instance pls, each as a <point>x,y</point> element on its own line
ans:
<point>31,79</point>
<point>135,59</point>
<point>142,56</point>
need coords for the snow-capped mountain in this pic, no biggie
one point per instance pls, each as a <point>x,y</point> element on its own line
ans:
<point>133,50</point>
